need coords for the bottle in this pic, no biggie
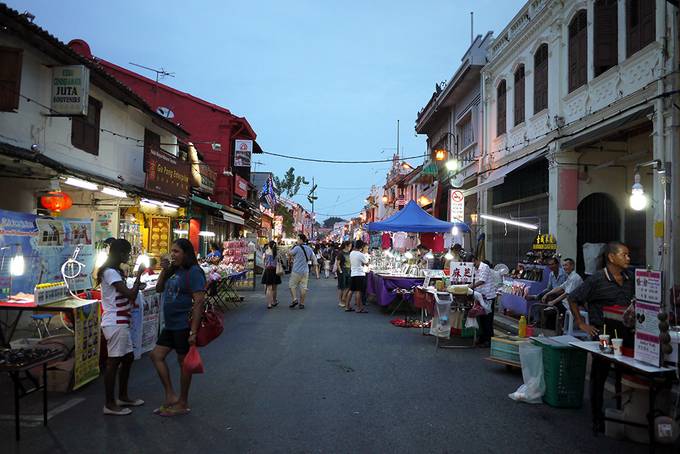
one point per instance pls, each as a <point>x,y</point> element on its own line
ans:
<point>522,326</point>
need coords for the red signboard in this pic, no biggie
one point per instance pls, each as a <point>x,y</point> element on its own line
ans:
<point>240,186</point>
<point>166,174</point>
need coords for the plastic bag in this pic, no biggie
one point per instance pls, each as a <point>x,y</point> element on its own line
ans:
<point>533,388</point>
<point>193,364</point>
<point>441,322</point>
<point>471,322</point>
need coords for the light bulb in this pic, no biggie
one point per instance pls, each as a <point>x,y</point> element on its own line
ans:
<point>142,260</point>
<point>452,165</point>
<point>455,231</point>
<point>16,265</point>
<point>638,199</point>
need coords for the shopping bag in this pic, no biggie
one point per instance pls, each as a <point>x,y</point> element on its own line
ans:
<point>279,269</point>
<point>193,364</point>
<point>212,325</point>
<point>533,388</point>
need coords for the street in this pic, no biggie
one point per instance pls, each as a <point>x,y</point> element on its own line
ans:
<point>322,380</point>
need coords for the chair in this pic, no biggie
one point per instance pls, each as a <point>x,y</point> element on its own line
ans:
<point>569,324</point>
<point>41,323</point>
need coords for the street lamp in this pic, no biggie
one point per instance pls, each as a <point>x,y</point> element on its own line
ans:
<point>440,154</point>
<point>638,200</point>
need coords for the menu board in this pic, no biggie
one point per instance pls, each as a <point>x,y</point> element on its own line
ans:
<point>159,236</point>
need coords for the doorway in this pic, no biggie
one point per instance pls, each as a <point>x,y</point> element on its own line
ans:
<point>599,221</point>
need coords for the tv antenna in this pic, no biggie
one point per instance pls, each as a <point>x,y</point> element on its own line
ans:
<point>160,73</point>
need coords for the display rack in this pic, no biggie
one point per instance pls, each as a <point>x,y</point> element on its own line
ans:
<point>532,280</point>
<point>238,256</point>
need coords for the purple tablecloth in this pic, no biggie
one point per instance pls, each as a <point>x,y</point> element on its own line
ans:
<point>382,286</point>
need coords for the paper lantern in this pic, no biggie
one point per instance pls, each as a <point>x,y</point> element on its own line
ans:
<point>440,155</point>
<point>56,201</point>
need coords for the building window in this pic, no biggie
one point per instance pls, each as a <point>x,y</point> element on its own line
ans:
<point>606,35</point>
<point>466,133</point>
<point>85,130</point>
<point>10,78</point>
<point>500,108</point>
<point>519,95</point>
<point>640,24</point>
<point>578,50</point>
<point>541,79</point>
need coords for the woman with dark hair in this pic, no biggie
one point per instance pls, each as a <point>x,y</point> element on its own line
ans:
<point>182,283</point>
<point>269,277</point>
<point>117,301</point>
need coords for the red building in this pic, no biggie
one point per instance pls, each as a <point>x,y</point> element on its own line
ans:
<point>213,129</point>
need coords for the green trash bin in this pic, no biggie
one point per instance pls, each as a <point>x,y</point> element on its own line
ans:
<point>564,370</point>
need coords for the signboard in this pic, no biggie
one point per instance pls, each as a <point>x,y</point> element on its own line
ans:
<point>456,205</point>
<point>203,177</point>
<point>145,322</point>
<point>166,174</point>
<point>86,334</point>
<point>648,286</point>
<point>45,243</point>
<point>70,89</point>
<point>242,151</point>
<point>240,186</point>
<point>159,236</point>
<point>105,225</point>
<point>462,272</point>
<point>278,225</point>
<point>647,346</point>
<point>545,242</point>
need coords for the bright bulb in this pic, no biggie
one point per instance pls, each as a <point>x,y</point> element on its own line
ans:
<point>206,233</point>
<point>16,265</point>
<point>142,260</point>
<point>181,232</point>
<point>638,199</point>
<point>114,192</point>
<point>81,184</point>
<point>452,165</point>
<point>455,231</point>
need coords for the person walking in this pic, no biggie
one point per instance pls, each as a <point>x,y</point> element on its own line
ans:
<point>117,301</point>
<point>326,254</point>
<point>303,258</point>
<point>270,279</point>
<point>343,269</point>
<point>358,259</point>
<point>182,283</point>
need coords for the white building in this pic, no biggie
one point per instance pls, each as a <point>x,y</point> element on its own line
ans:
<point>576,95</point>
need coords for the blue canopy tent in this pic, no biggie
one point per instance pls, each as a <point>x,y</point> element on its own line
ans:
<point>412,218</point>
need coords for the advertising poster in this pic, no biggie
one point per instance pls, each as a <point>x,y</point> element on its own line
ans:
<point>145,322</point>
<point>105,225</point>
<point>45,243</point>
<point>159,236</point>
<point>647,346</point>
<point>648,286</point>
<point>86,332</point>
<point>242,152</point>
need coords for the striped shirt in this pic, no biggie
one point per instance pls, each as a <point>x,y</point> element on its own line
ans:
<point>601,289</point>
<point>115,307</point>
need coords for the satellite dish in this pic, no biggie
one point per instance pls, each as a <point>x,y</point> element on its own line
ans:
<point>457,181</point>
<point>165,112</point>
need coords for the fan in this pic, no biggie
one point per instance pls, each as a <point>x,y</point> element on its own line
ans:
<point>502,269</point>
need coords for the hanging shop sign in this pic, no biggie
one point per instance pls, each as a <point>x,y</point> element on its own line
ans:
<point>278,225</point>
<point>166,174</point>
<point>70,89</point>
<point>240,186</point>
<point>242,152</point>
<point>546,242</point>
<point>456,205</point>
<point>462,272</point>
<point>159,235</point>
<point>202,176</point>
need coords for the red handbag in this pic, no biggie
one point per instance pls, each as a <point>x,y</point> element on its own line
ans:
<point>476,310</point>
<point>212,325</point>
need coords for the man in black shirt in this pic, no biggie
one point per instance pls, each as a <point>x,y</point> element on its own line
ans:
<point>609,286</point>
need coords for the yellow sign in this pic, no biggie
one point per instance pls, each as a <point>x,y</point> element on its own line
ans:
<point>545,242</point>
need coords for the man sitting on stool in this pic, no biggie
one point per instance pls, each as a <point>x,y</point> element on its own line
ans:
<point>557,278</point>
<point>555,297</point>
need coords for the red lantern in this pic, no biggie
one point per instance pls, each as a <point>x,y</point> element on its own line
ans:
<point>56,201</point>
<point>440,155</point>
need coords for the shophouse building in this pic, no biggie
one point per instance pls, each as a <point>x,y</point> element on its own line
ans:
<point>577,95</point>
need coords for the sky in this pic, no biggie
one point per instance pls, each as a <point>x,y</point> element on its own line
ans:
<point>323,79</point>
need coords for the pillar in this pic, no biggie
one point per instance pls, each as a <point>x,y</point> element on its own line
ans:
<point>563,200</point>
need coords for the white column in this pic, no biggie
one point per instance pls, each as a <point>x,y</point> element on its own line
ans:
<point>563,200</point>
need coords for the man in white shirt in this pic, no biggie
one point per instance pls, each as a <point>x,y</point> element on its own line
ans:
<point>358,259</point>
<point>555,297</point>
<point>484,284</point>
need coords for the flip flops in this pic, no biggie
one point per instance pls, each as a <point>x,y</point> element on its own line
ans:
<point>170,412</point>
<point>293,304</point>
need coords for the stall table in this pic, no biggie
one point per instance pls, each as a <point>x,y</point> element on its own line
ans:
<point>655,377</point>
<point>20,391</point>
<point>382,286</point>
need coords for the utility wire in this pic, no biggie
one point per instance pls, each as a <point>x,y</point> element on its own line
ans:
<point>325,161</point>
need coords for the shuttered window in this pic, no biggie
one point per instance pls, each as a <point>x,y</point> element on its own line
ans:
<point>10,78</point>
<point>85,130</point>
<point>640,24</point>
<point>578,50</point>
<point>500,109</point>
<point>519,95</point>
<point>541,78</point>
<point>606,35</point>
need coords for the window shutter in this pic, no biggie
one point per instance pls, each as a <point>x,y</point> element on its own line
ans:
<point>85,130</point>
<point>519,95</point>
<point>647,22</point>
<point>578,51</point>
<point>10,78</point>
<point>541,78</point>
<point>632,27</point>
<point>606,35</point>
<point>501,106</point>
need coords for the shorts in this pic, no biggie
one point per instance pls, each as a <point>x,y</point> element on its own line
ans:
<point>358,284</point>
<point>298,279</point>
<point>177,340</point>
<point>118,340</point>
<point>344,280</point>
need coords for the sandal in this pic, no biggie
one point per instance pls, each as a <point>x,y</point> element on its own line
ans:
<point>269,306</point>
<point>293,304</point>
<point>161,409</point>
<point>362,311</point>
<point>275,303</point>
<point>349,310</point>
<point>302,306</point>
<point>169,412</point>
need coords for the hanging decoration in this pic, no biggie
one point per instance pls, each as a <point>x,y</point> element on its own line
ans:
<point>56,201</point>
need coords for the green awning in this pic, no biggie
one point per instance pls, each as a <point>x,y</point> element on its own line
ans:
<point>431,170</point>
<point>206,202</point>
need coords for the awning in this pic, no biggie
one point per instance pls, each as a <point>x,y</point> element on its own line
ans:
<point>497,176</point>
<point>608,129</point>
<point>232,218</point>
<point>206,202</point>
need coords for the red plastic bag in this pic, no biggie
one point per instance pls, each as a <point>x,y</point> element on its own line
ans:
<point>193,364</point>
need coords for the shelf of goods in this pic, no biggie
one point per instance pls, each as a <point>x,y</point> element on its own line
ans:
<point>531,279</point>
<point>239,256</point>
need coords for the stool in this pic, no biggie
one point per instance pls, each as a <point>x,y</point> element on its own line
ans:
<point>41,323</point>
<point>569,322</point>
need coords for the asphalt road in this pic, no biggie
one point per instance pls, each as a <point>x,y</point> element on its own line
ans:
<point>322,380</point>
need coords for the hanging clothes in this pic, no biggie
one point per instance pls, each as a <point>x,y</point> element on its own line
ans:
<point>399,241</point>
<point>386,241</point>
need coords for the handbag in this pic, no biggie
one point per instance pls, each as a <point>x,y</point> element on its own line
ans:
<point>476,310</point>
<point>212,325</point>
<point>279,268</point>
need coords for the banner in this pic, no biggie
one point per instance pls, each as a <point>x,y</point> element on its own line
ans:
<point>145,320</point>
<point>45,243</point>
<point>86,333</point>
<point>242,152</point>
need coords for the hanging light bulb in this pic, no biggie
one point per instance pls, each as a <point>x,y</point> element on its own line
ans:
<point>455,231</point>
<point>452,165</point>
<point>638,199</point>
<point>143,260</point>
<point>17,264</point>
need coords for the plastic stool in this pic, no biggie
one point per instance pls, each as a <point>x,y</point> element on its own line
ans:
<point>569,322</point>
<point>42,322</point>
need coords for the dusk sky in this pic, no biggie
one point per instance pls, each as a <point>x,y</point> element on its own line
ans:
<point>320,79</point>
